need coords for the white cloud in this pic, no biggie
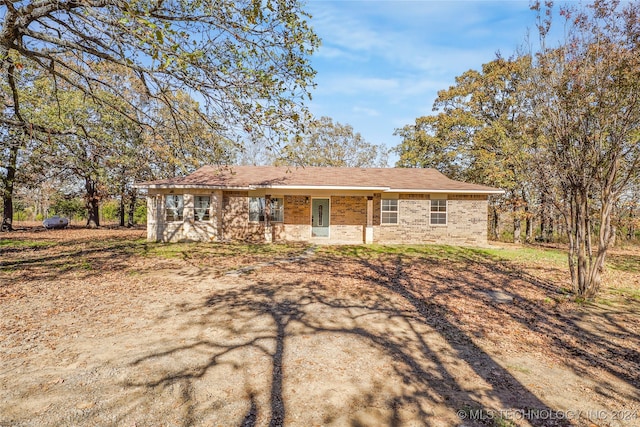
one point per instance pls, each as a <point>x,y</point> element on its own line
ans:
<point>366,111</point>
<point>382,63</point>
<point>346,31</point>
<point>345,84</point>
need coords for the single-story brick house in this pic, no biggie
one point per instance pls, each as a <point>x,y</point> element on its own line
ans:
<point>317,204</point>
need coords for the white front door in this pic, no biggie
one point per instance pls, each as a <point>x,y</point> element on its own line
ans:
<point>320,218</point>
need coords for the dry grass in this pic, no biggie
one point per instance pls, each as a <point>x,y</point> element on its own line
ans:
<point>100,318</point>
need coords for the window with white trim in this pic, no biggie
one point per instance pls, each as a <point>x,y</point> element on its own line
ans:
<point>174,207</point>
<point>389,211</point>
<point>201,205</point>
<point>438,212</point>
<point>257,209</point>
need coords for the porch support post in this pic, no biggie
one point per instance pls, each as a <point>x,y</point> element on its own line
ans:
<point>368,232</point>
<point>216,213</point>
<point>154,217</point>
<point>268,232</point>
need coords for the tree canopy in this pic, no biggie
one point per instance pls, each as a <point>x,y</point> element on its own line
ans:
<point>480,133</point>
<point>113,85</point>
<point>586,100</point>
<point>558,129</point>
<point>325,143</point>
<point>245,60</point>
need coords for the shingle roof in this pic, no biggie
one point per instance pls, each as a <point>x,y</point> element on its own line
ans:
<point>380,179</point>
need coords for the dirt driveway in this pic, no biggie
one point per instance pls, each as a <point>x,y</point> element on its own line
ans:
<point>117,334</point>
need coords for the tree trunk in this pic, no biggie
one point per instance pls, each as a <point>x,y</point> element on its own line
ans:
<point>132,208</point>
<point>582,239</point>
<point>528,228</point>
<point>606,238</point>
<point>121,210</point>
<point>92,204</point>
<point>547,219</point>
<point>493,224</point>
<point>8,182</point>
<point>586,280</point>
<point>517,225</point>
<point>631,232</point>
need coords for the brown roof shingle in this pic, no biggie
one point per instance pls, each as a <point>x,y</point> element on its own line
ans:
<point>383,179</point>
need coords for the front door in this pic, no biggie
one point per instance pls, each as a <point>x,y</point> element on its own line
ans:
<point>320,218</point>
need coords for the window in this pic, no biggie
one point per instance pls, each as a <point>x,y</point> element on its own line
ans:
<point>201,207</point>
<point>438,212</point>
<point>257,208</point>
<point>389,213</point>
<point>277,210</point>
<point>174,206</point>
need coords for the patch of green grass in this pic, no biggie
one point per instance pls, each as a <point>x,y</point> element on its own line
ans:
<point>453,253</point>
<point>605,302</point>
<point>426,251</point>
<point>69,264</point>
<point>518,368</point>
<point>8,243</point>
<point>85,265</point>
<point>626,293</point>
<point>581,300</point>
<point>201,249</point>
<point>503,422</point>
<point>626,263</point>
<point>116,244</point>
<point>529,254</point>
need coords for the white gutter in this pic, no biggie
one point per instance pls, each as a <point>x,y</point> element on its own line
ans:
<point>187,186</point>
<point>318,187</point>
<point>408,190</point>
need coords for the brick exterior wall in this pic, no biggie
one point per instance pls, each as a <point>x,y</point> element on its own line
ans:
<point>376,208</point>
<point>466,224</point>
<point>346,234</point>
<point>297,232</point>
<point>466,220</point>
<point>348,210</point>
<point>297,210</point>
<point>235,218</point>
<point>188,229</point>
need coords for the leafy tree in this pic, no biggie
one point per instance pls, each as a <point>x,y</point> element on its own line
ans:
<point>433,142</point>
<point>586,93</point>
<point>11,143</point>
<point>67,205</point>
<point>561,125</point>
<point>480,133</point>
<point>246,61</point>
<point>326,143</point>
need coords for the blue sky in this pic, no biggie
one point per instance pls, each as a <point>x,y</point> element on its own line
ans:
<point>382,63</point>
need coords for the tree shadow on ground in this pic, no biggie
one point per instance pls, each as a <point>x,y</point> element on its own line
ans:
<point>588,336</point>
<point>364,339</point>
<point>65,258</point>
<point>436,370</point>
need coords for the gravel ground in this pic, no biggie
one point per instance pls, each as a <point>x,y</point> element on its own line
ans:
<point>112,334</point>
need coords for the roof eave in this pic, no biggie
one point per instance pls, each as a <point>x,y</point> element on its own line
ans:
<point>317,187</point>
<point>188,186</point>
<point>440,191</point>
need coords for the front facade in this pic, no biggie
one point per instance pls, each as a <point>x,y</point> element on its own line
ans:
<point>319,205</point>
